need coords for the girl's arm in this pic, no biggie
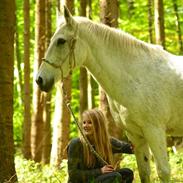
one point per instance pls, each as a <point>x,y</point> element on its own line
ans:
<point>121,147</point>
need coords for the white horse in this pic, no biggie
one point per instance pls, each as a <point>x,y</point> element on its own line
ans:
<point>143,81</point>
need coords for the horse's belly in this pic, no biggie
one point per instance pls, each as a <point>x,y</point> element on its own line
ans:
<point>175,128</point>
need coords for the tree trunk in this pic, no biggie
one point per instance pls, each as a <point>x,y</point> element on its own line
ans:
<point>47,96</point>
<point>18,63</point>
<point>90,9</point>
<point>150,21</point>
<point>83,83</point>
<point>37,121</point>
<point>56,139</point>
<point>27,99</point>
<point>60,125</point>
<point>46,129</point>
<point>83,79</point>
<point>87,96</point>
<point>83,5</point>
<point>62,115</point>
<point>178,28</point>
<point>91,91</point>
<point>159,22</point>
<point>7,30</point>
<point>109,12</point>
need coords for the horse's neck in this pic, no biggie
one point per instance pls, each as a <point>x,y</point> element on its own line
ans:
<point>116,64</point>
<point>107,64</point>
<point>106,49</point>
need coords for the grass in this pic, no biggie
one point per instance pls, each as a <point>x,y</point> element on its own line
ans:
<point>175,160</point>
<point>30,172</point>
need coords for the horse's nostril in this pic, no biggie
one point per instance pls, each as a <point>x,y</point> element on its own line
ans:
<point>39,80</point>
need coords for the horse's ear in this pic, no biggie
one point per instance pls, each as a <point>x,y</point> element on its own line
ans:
<point>68,16</point>
<point>67,13</point>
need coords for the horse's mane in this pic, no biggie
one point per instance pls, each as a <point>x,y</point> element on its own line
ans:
<point>114,36</point>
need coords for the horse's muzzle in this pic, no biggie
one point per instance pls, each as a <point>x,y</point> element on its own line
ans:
<point>44,86</point>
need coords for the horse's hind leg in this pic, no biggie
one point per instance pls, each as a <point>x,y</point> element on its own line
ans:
<point>156,138</point>
<point>142,155</point>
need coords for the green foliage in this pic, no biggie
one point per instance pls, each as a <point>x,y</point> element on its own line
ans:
<point>175,160</point>
<point>136,24</point>
<point>75,103</point>
<point>31,172</point>
<point>17,123</point>
<point>18,113</point>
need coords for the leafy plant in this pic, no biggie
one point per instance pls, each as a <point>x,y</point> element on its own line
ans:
<point>30,172</point>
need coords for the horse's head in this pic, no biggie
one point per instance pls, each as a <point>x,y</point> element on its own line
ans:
<point>64,53</point>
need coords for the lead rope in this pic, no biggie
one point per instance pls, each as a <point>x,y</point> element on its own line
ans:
<point>83,135</point>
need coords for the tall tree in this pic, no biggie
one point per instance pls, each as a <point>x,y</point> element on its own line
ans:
<point>109,12</point>
<point>47,96</point>
<point>37,120</point>
<point>7,30</point>
<point>150,21</point>
<point>27,98</point>
<point>178,27</point>
<point>62,115</point>
<point>92,85</point>
<point>92,88</point>
<point>66,117</point>
<point>159,22</point>
<point>83,79</point>
<point>18,61</point>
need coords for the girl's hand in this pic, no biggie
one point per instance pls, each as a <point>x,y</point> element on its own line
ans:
<point>107,169</point>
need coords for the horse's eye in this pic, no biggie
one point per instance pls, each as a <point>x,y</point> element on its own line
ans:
<point>60,41</point>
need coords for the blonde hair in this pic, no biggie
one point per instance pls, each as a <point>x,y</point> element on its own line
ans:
<point>101,138</point>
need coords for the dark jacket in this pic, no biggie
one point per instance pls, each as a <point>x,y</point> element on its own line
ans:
<point>78,172</point>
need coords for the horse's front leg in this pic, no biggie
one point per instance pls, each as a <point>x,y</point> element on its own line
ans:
<point>156,138</point>
<point>142,156</point>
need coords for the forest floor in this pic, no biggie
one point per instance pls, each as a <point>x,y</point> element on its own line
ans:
<point>30,172</point>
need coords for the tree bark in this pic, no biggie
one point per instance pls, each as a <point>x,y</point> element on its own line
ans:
<point>66,116</point>
<point>92,90</point>
<point>150,21</point>
<point>38,104</point>
<point>7,30</point>
<point>159,22</point>
<point>109,12</point>
<point>46,129</point>
<point>56,139</point>
<point>18,64</point>
<point>178,27</point>
<point>47,96</point>
<point>83,78</point>
<point>83,87</point>
<point>27,99</point>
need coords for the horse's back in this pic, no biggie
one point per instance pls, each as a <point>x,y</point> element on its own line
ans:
<point>158,98</point>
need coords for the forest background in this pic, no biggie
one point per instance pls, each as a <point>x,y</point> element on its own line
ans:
<point>36,127</point>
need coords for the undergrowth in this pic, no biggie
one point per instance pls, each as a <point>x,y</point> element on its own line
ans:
<point>30,172</point>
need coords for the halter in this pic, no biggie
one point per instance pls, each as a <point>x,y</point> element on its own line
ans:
<point>67,102</point>
<point>70,55</point>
